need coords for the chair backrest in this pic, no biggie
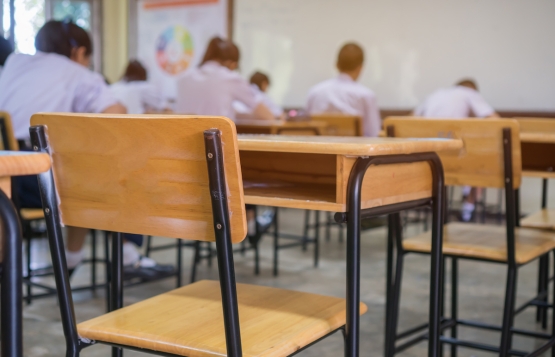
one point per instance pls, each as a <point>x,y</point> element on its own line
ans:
<point>480,162</point>
<point>141,174</point>
<point>340,124</point>
<point>7,136</point>
<point>536,125</point>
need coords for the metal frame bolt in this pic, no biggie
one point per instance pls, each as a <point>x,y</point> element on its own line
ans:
<point>219,226</point>
<point>210,155</point>
<point>47,210</point>
<point>36,148</point>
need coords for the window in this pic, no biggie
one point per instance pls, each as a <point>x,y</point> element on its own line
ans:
<point>30,15</point>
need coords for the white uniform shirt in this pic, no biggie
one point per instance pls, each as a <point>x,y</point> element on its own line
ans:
<point>138,96</point>
<point>211,90</point>
<point>48,82</point>
<point>343,95</point>
<point>262,97</point>
<point>454,102</point>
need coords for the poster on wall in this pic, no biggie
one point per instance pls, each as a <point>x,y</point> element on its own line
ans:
<point>172,36</point>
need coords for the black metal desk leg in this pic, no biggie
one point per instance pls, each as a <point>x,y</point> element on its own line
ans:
<point>436,257</point>
<point>12,338</point>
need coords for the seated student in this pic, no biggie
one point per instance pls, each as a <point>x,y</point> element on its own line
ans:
<point>57,79</point>
<point>259,84</point>
<point>135,93</point>
<point>6,49</point>
<point>212,88</point>
<point>343,94</point>
<point>460,101</point>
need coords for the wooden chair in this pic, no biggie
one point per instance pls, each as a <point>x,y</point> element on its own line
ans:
<point>13,164</point>
<point>490,158</point>
<point>30,218</point>
<point>176,177</point>
<point>340,124</point>
<point>538,143</point>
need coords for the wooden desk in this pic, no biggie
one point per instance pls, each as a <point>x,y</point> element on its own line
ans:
<point>538,154</point>
<point>283,127</point>
<point>356,177</point>
<point>14,163</point>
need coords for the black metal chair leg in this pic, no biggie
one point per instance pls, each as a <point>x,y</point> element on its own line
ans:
<point>546,291</point>
<point>317,240</point>
<point>328,226</point>
<point>29,296</point>
<point>117,280</point>
<point>396,295</point>
<point>508,313</point>
<point>196,259</point>
<point>108,269</point>
<point>148,246</point>
<point>276,243</point>
<point>93,260</point>
<point>306,228</point>
<point>389,288</point>
<point>454,301</point>
<point>179,273</point>
<point>257,259</point>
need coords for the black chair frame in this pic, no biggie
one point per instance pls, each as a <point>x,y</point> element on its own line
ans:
<point>394,279</point>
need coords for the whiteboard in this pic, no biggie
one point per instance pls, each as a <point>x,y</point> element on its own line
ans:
<point>412,47</point>
<point>171,36</point>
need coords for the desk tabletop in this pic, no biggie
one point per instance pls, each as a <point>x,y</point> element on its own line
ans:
<point>280,123</point>
<point>344,145</point>
<point>531,137</point>
<point>18,163</point>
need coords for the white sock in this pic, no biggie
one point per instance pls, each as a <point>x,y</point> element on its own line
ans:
<point>130,253</point>
<point>73,259</point>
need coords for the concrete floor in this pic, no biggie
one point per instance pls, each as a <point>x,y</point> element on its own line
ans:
<point>481,294</point>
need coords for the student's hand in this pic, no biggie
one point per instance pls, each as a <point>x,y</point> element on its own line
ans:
<point>494,115</point>
<point>262,112</point>
<point>117,108</point>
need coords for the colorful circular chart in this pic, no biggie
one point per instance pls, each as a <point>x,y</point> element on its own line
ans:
<point>174,50</point>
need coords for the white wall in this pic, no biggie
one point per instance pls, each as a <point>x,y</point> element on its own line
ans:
<point>412,46</point>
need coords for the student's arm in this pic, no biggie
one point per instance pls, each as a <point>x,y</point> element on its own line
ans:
<point>117,108</point>
<point>243,92</point>
<point>481,108</point>
<point>261,111</point>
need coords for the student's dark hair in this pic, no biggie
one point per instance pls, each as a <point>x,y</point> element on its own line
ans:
<point>351,56</point>
<point>469,83</point>
<point>258,78</point>
<point>6,49</point>
<point>135,71</point>
<point>61,37</point>
<point>220,50</point>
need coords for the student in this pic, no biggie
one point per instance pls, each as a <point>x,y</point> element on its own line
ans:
<point>135,93</point>
<point>6,49</point>
<point>57,79</point>
<point>460,101</point>
<point>343,94</point>
<point>212,88</point>
<point>259,84</point>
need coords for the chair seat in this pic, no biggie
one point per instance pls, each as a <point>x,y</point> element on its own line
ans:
<point>485,242</point>
<point>31,214</point>
<point>544,219</point>
<point>189,321</point>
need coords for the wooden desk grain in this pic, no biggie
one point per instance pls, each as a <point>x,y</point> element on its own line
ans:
<point>312,172</point>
